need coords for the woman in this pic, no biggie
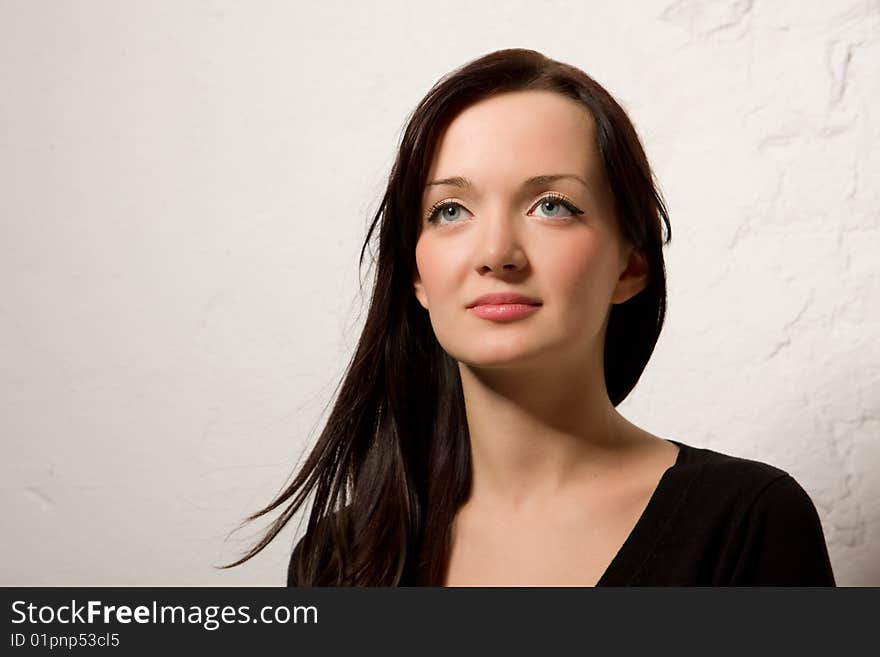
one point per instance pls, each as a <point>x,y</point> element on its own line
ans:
<point>519,293</point>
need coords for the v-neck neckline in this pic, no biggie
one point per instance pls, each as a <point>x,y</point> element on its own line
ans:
<point>642,540</point>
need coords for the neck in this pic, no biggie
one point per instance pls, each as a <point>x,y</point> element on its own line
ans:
<point>536,431</point>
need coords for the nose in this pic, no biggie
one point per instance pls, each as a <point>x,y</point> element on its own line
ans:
<point>498,245</point>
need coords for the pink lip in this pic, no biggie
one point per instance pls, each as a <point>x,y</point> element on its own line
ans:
<point>503,311</point>
<point>503,306</point>
<point>504,298</point>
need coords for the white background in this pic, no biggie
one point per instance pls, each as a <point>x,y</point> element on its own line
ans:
<point>185,187</point>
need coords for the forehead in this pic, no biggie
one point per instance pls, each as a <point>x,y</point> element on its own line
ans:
<point>504,139</point>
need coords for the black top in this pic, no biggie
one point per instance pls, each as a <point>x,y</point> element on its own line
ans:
<point>721,520</point>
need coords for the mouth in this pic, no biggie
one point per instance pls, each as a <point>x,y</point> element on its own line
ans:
<point>504,298</point>
<point>504,311</point>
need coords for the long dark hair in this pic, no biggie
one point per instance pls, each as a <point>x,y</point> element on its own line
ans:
<point>392,465</point>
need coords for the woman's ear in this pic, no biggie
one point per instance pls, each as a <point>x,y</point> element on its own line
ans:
<point>634,277</point>
<point>420,290</point>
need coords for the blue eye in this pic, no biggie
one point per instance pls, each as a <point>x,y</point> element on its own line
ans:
<point>553,199</point>
<point>559,200</point>
<point>443,207</point>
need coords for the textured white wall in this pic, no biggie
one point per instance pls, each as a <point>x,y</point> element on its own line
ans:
<point>184,188</point>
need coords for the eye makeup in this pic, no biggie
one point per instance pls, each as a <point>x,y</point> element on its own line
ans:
<point>431,216</point>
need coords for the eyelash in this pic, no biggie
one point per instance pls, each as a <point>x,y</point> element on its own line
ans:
<point>553,196</point>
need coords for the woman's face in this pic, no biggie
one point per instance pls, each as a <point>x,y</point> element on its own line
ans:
<point>554,241</point>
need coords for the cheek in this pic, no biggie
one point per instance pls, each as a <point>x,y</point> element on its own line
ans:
<point>583,272</point>
<point>435,269</point>
<point>424,263</point>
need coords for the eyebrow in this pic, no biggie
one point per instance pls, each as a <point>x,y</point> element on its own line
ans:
<point>459,181</point>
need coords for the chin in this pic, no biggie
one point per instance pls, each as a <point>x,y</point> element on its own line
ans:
<point>494,348</point>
